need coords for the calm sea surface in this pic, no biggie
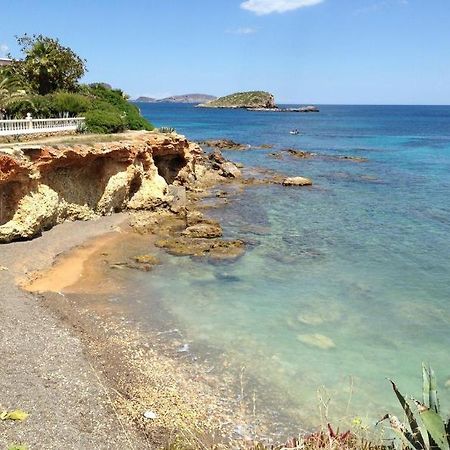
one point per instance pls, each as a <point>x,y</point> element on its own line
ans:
<point>362,259</point>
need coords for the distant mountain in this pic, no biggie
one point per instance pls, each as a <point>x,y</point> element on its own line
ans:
<point>252,99</point>
<point>186,98</point>
<point>145,100</point>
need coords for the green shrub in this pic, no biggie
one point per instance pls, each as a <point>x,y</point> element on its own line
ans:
<point>101,121</point>
<point>68,102</point>
<point>117,99</point>
<point>39,106</point>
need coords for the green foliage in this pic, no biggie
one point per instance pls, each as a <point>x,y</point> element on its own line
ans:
<point>101,121</point>
<point>12,88</point>
<point>45,84</point>
<point>39,106</point>
<point>48,66</point>
<point>114,99</point>
<point>426,428</point>
<point>71,103</point>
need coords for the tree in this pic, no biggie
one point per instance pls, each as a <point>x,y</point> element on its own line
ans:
<point>47,65</point>
<point>11,89</point>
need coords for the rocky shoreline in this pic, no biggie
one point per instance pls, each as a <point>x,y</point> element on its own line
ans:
<point>38,180</point>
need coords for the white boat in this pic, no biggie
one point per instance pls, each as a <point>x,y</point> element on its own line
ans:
<point>294,132</point>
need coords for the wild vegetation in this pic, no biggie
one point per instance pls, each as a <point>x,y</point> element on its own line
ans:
<point>46,83</point>
<point>426,429</point>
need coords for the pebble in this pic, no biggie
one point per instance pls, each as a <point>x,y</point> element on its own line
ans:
<point>150,415</point>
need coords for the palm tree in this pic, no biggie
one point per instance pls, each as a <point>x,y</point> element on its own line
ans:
<point>11,89</point>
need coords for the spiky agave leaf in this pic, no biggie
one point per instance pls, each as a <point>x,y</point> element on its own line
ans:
<point>425,385</point>
<point>433,402</point>
<point>416,432</point>
<point>435,427</point>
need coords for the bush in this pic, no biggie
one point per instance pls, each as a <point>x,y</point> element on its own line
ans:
<point>117,99</point>
<point>101,121</point>
<point>39,106</point>
<point>73,104</point>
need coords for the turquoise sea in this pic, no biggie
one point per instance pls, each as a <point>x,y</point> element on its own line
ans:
<point>361,259</point>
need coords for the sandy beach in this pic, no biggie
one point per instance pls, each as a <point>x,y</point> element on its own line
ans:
<point>87,378</point>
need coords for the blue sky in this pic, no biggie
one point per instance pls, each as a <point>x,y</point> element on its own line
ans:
<point>306,51</point>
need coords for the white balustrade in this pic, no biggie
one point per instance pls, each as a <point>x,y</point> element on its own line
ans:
<point>31,126</point>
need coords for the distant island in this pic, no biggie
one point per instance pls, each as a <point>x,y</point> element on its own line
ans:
<point>253,101</point>
<point>186,98</point>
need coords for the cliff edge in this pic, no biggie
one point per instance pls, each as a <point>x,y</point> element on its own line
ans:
<point>45,184</point>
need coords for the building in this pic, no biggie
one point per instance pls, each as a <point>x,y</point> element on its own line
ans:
<point>5,62</point>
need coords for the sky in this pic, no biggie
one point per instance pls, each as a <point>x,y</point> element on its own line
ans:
<point>303,51</point>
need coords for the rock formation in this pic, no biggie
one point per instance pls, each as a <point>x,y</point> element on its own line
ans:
<point>43,185</point>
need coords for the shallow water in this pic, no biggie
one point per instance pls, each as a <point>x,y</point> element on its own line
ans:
<point>345,283</point>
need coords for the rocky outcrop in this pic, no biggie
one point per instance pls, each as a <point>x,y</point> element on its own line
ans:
<point>297,181</point>
<point>43,185</point>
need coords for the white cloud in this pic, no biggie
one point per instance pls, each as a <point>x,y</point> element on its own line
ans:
<point>3,49</point>
<point>243,31</point>
<point>262,7</point>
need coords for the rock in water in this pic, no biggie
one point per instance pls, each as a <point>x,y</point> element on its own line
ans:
<point>297,181</point>
<point>317,340</point>
<point>204,230</point>
<point>229,170</point>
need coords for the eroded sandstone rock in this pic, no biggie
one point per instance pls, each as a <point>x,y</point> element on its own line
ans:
<point>43,185</point>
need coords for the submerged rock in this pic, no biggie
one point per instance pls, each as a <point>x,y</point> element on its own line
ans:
<point>218,249</point>
<point>147,259</point>
<point>317,340</point>
<point>300,154</point>
<point>224,144</point>
<point>204,230</point>
<point>297,181</point>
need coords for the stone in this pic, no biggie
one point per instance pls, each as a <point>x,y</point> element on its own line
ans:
<point>203,230</point>
<point>229,170</point>
<point>317,340</point>
<point>297,181</point>
<point>215,249</point>
<point>224,144</point>
<point>147,259</point>
<point>300,154</point>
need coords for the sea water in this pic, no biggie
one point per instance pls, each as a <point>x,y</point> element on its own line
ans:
<point>343,284</point>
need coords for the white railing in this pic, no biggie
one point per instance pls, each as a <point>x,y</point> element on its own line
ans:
<point>30,125</point>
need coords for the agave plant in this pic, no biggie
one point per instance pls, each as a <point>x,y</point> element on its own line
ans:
<point>426,428</point>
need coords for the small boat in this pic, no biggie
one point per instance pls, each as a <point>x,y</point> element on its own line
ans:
<point>294,132</point>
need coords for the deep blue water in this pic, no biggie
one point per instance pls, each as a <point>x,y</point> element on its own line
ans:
<point>360,262</point>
